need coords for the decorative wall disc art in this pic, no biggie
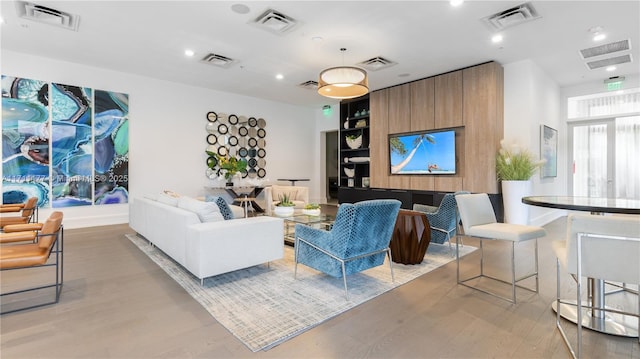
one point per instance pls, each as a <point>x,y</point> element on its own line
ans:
<point>237,136</point>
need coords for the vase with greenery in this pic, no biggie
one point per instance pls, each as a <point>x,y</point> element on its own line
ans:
<point>514,163</point>
<point>229,166</point>
<point>514,167</point>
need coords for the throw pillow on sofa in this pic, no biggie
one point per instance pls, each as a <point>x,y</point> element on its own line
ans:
<point>223,206</point>
<point>206,211</point>
<point>171,201</point>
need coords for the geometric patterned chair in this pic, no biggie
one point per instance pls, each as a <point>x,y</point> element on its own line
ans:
<point>444,220</point>
<point>358,240</point>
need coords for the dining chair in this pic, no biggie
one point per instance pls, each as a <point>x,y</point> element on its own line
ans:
<point>49,239</point>
<point>479,221</point>
<point>602,247</point>
<point>27,212</point>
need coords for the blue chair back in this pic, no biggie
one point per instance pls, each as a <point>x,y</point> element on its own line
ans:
<point>364,226</point>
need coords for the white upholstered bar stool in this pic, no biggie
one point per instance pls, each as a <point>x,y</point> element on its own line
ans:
<point>479,221</point>
<point>602,247</point>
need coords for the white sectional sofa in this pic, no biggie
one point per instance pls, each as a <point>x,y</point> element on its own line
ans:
<point>211,248</point>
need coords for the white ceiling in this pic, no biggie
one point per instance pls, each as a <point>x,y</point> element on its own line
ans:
<point>425,38</point>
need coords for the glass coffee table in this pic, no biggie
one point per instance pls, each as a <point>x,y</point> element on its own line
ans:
<point>323,221</point>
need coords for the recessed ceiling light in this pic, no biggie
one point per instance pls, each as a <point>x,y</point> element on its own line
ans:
<point>189,52</point>
<point>317,39</point>
<point>599,36</point>
<point>496,38</point>
<point>611,68</point>
<point>240,8</point>
<point>279,76</point>
<point>456,2</point>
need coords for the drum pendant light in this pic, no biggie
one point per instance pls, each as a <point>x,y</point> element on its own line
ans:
<point>343,82</point>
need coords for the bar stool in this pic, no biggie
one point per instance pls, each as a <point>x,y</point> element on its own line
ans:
<point>479,221</point>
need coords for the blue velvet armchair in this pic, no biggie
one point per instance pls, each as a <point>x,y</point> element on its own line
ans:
<point>358,240</point>
<point>443,221</point>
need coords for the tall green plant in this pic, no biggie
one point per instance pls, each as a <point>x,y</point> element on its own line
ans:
<point>514,163</point>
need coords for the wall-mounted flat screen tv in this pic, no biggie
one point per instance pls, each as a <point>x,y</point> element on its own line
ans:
<point>430,152</point>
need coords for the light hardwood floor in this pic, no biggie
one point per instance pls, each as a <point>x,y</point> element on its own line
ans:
<point>116,303</point>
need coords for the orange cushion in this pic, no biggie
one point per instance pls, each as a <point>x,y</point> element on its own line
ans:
<point>17,237</point>
<point>22,255</point>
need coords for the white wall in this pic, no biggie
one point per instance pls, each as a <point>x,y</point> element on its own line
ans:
<point>167,132</point>
<point>324,124</point>
<point>532,99</point>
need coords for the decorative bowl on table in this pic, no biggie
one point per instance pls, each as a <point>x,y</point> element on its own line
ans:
<point>282,211</point>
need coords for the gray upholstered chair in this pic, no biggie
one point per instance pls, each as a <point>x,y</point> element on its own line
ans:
<point>601,247</point>
<point>358,240</point>
<point>479,220</point>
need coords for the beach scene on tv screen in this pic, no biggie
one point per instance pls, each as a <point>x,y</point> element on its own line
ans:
<point>423,153</point>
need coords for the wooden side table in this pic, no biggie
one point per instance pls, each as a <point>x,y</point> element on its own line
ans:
<point>411,237</point>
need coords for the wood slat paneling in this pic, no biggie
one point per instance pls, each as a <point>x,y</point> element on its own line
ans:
<point>483,120</point>
<point>399,121</point>
<point>448,100</point>
<point>422,118</point>
<point>379,120</point>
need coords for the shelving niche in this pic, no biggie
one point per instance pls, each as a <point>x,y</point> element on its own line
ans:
<point>354,154</point>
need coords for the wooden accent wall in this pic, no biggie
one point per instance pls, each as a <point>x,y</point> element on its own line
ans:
<point>378,146</point>
<point>399,121</point>
<point>422,118</point>
<point>470,99</point>
<point>483,110</point>
<point>448,100</point>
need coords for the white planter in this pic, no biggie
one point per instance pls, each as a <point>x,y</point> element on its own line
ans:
<point>283,211</point>
<point>311,212</point>
<point>515,212</point>
<point>354,143</point>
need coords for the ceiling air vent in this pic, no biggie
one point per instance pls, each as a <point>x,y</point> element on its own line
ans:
<point>310,85</point>
<point>609,62</point>
<point>377,63</point>
<point>511,17</point>
<point>218,60</point>
<point>605,49</point>
<point>47,15</point>
<point>276,22</point>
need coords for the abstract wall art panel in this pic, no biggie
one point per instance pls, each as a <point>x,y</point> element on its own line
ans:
<point>65,144</point>
<point>72,146</point>
<point>111,131</point>
<point>25,140</point>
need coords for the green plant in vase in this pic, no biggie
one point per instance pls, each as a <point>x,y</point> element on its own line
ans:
<point>285,207</point>
<point>285,200</point>
<point>311,209</point>
<point>230,166</point>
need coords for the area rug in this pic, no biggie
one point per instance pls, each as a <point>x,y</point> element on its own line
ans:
<point>264,306</point>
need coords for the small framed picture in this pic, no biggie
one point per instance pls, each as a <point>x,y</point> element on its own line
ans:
<point>365,182</point>
<point>350,182</point>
